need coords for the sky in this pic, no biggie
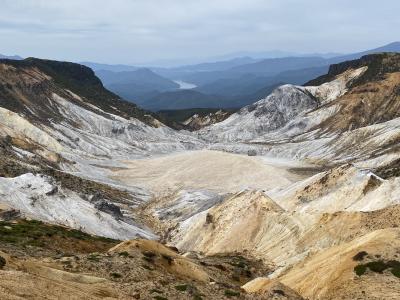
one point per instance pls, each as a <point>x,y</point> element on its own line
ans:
<point>150,31</point>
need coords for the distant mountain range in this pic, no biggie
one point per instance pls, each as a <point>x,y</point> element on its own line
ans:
<point>230,83</point>
<point>137,85</point>
<point>106,67</point>
<point>14,57</point>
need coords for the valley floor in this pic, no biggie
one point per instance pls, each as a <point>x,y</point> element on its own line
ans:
<point>216,171</point>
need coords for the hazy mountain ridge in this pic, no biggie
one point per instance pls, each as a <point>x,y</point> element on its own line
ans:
<point>136,86</point>
<point>13,57</point>
<point>232,83</point>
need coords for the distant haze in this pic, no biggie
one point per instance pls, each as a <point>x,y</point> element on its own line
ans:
<point>185,31</point>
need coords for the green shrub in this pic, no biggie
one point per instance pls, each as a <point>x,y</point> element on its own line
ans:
<point>124,254</point>
<point>115,275</point>
<point>377,266</point>
<point>93,257</point>
<point>360,269</point>
<point>182,287</point>
<point>393,263</point>
<point>396,272</point>
<point>36,233</point>
<point>230,293</point>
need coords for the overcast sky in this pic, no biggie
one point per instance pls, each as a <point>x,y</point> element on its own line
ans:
<point>134,31</point>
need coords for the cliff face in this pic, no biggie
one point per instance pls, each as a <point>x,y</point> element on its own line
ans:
<point>372,98</point>
<point>26,87</point>
<point>378,65</point>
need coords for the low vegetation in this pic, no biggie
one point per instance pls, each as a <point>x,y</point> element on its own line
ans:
<point>115,275</point>
<point>31,233</point>
<point>379,266</point>
<point>182,287</point>
<point>230,293</point>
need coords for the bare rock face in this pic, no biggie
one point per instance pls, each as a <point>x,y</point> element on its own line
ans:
<point>252,152</point>
<point>275,111</point>
<point>109,208</point>
<point>105,206</point>
<point>197,121</point>
<point>9,215</point>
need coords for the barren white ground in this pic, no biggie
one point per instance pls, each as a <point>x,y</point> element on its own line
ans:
<point>215,171</point>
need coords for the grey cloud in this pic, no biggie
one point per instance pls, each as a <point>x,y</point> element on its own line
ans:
<point>130,31</point>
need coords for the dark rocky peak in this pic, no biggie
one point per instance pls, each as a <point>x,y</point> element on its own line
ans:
<point>378,65</point>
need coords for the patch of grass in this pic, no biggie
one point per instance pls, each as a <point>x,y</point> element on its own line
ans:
<point>93,257</point>
<point>115,275</point>
<point>360,269</point>
<point>379,267</point>
<point>182,287</point>
<point>41,235</point>
<point>393,264</point>
<point>230,293</point>
<point>396,272</point>
<point>124,254</point>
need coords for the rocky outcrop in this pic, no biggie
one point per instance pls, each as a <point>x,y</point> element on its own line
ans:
<point>267,115</point>
<point>197,121</point>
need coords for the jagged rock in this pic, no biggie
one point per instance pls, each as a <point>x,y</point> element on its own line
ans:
<point>9,215</point>
<point>109,208</point>
<point>96,197</point>
<point>53,191</point>
<point>252,152</point>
